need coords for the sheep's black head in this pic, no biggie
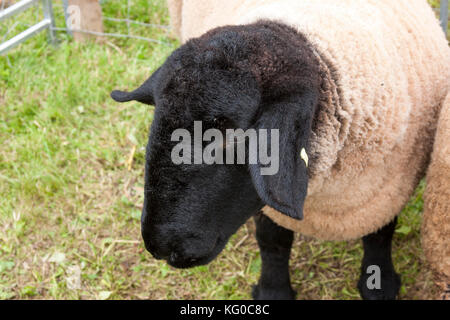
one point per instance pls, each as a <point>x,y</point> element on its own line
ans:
<point>244,77</point>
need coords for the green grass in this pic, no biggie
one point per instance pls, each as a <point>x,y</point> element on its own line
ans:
<point>70,205</point>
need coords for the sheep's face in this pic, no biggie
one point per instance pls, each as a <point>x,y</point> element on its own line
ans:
<point>192,207</point>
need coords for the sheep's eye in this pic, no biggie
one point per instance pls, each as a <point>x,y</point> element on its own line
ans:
<point>221,123</point>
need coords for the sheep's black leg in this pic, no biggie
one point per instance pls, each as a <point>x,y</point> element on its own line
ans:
<point>378,280</point>
<point>275,244</point>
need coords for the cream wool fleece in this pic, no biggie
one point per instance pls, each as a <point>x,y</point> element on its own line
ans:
<point>388,73</point>
<point>436,221</point>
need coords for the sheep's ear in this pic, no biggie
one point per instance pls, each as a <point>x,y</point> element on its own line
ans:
<point>286,190</point>
<point>142,94</point>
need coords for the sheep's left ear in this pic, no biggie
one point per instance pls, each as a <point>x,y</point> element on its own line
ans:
<point>286,190</point>
<point>142,94</point>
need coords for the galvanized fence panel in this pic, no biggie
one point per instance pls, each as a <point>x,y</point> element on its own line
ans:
<point>47,23</point>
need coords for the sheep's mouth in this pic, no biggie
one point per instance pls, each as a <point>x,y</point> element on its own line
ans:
<point>184,263</point>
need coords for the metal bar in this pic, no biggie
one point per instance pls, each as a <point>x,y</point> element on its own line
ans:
<point>48,14</point>
<point>16,8</point>
<point>21,37</point>
<point>66,15</point>
<point>444,15</point>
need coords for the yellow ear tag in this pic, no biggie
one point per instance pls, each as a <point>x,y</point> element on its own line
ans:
<point>304,156</point>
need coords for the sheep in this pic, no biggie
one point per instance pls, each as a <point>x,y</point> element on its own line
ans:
<point>436,222</point>
<point>355,89</point>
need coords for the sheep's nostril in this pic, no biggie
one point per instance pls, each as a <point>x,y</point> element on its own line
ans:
<point>176,258</point>
<point>173,257</point>
<point>158,255</point>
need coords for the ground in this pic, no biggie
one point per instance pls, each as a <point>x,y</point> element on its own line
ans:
<point>71,180</point>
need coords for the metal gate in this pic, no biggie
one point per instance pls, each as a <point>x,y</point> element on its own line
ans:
<point>47,23</point>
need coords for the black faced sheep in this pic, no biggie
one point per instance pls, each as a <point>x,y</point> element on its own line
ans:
<point>355,89</point>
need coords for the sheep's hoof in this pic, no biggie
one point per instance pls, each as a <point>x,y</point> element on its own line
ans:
<point>390,286</point>
<point>259,293</point>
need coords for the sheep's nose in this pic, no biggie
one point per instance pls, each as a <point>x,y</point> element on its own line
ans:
<point>157,255</point>
<point>156,248</point>
<point>155,252</point>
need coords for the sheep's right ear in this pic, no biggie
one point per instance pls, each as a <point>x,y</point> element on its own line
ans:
<point>286,190</point>
<point>142,94</point>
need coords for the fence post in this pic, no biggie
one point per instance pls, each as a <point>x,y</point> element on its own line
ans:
<point>90,19</point>
<point>48,14</point>
<point>444,15</point>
